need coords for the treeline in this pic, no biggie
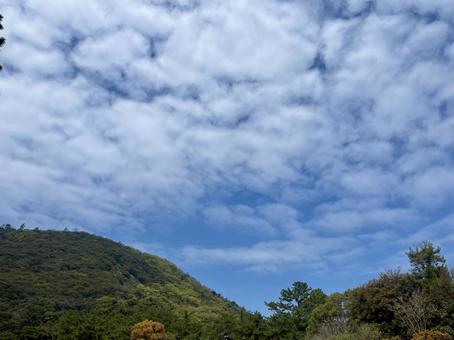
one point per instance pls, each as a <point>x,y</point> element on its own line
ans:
<point>72,285</point>
<point>416,305</point>
<point>396,305</point>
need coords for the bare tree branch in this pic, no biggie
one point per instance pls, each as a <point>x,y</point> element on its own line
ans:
<point>414,313</point>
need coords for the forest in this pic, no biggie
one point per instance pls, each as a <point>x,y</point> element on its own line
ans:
<point>74,285</point>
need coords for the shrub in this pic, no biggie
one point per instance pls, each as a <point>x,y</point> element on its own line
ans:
<point>431,335</point>
<point>148,330</point>
<point>365,332</point>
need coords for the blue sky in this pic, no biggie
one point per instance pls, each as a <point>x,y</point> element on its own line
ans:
<point>254,143</point>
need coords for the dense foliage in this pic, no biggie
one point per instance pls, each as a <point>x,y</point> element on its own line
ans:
<point>73,285</point>
<point>395,306</point>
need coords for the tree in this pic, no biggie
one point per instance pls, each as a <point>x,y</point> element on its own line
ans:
<point>414,313</point>
<point>148,330</point>
<point>296,304</point>
<point>331,317</point>
<point>373,302</point>
<point>2,39</point>
<point>426,261</point>
<point>254,327</point>
<point>291,299</point>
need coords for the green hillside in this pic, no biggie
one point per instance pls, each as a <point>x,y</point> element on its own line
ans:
<point>73,285</point>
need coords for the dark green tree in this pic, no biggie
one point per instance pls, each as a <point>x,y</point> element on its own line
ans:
<point>254,327</point>
<point>291,299</point>
<point>430,269</point>
<point>426,261</point>
<point>374,302</point>
<point>427,292</point>
<point>296,304</point>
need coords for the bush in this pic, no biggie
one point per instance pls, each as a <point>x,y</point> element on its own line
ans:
<point>431,335</point>
<point>365,332</point>
<point>148,330</point>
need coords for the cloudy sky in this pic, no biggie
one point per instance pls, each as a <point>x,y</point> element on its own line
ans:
<point>252,142</point>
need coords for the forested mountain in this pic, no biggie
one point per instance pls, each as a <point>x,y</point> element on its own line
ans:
<point>73,285</point>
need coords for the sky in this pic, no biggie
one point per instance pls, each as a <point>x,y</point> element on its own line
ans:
<point>254,143</point>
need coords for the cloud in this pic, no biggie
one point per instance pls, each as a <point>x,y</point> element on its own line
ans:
<point>443,8</point>
<point>303,251</point>
<point>263,220</point>
<point>266,118</point>
<point>433,187</point>
<point>238,216</point>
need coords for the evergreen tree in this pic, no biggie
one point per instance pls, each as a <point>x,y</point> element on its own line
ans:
<point>295,306</point>
<point>291,299</point>
<point>426,261</point>
<point>2,39</point>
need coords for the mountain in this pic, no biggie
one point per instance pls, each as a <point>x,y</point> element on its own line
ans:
<point>74,285</point>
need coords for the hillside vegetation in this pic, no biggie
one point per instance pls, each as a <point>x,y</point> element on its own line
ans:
<point>73,285</point>
<point>68,284</point>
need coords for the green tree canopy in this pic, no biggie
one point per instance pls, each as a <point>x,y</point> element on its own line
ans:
<point>332,313</point>
<point>291,299</point>
<point>296,303</point>
<point>426,261</point>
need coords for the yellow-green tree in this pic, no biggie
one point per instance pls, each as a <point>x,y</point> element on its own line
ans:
<point>148,330</point>
<point>330,317</point>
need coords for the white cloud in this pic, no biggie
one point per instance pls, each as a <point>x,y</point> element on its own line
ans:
<point>432,187</point>
<point>96,54</point>
<point>39,62</point>
<point>337,116</point>
<point>239,216</point>
<point>369,182</point>
<point>304,251</point>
